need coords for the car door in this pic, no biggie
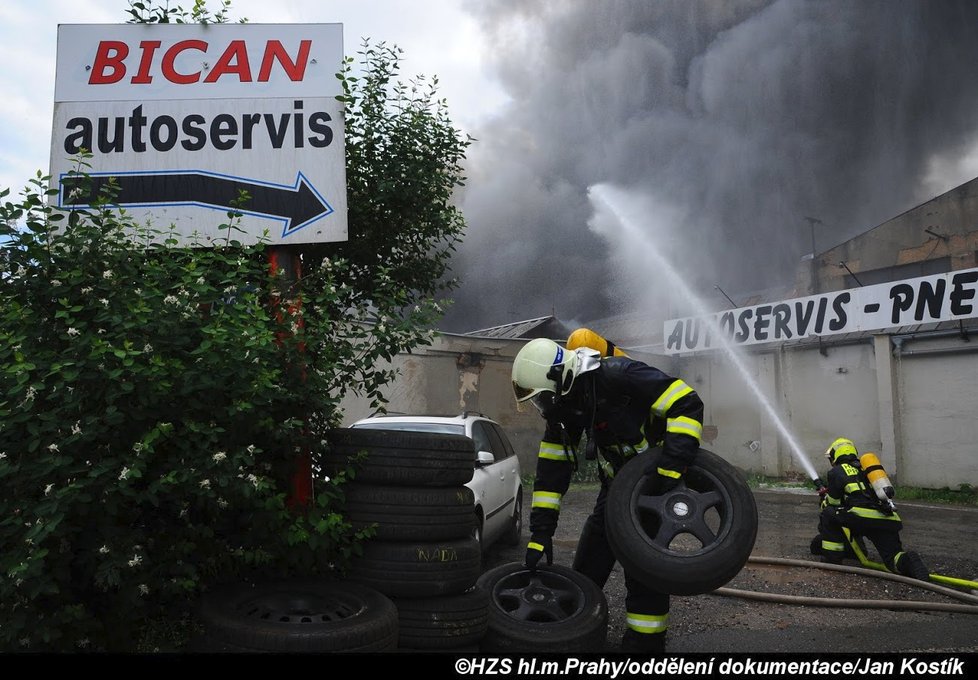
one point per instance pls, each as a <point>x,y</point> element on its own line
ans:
<point>508,468</point>
<point>490,478</point>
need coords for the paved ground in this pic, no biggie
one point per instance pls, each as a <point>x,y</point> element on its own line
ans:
<point>946,536</point>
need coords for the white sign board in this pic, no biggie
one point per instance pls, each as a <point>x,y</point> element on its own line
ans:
<point>927,299</point>
<point>184,117</point>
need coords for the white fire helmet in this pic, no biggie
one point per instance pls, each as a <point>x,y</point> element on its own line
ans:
<point>544,366</point>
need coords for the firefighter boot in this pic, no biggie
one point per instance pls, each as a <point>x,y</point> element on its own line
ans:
<point>816,545</point>
<point>643,643</point>
<point>912,565</point>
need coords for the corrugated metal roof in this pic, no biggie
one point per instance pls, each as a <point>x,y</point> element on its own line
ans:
<point>542,327</point>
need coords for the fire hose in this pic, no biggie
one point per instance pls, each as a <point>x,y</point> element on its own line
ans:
<point>855,603</point>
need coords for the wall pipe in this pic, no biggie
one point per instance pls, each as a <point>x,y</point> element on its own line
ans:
<point>961,349</point>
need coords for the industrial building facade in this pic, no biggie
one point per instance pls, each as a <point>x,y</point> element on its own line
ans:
<point>907,391</point>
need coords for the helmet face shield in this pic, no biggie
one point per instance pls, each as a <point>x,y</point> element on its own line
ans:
<point>522,393</point>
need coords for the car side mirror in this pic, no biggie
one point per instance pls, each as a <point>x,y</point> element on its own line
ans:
<point>484,458</point>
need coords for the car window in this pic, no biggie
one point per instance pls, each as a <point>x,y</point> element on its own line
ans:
<point>436,428</point>
<point>481,438</point>
<point>503,445</point>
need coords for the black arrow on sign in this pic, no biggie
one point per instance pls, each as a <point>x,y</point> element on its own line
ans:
<point>297,206</point>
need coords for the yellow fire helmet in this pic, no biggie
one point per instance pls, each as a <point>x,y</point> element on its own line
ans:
<point>839,448</point>
<point>585,337</point>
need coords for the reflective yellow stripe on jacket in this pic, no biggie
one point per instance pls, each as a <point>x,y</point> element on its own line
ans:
<point>676,391</point>
<point>685,425</point>
<point>870,513</point>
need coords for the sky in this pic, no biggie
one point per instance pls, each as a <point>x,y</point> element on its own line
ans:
<point>718,126</point>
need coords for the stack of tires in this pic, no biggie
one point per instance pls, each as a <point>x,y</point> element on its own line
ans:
<point>410,486</point>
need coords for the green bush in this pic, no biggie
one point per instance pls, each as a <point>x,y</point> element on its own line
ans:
<point>154,398</point>
<point>149,418</point>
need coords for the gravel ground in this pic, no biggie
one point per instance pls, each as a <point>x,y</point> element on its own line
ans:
<point>946,536</point>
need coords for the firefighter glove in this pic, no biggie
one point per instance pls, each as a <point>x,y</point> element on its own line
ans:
<point>664,476</point>
<point>539,546</point>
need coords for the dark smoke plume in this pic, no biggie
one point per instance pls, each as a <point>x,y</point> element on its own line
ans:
<point>732,120</point>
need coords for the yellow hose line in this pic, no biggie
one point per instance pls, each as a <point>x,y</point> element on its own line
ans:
<point>939,578</point>
<point>950,580</point>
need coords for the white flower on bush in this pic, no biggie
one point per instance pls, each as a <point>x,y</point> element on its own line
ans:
<point>219,456</point>
<point>104,550</point>
<point>47,489</point>
<point>251,448</point>
<point>136,560</point>
<point>200,281</point>
<point>76,428</point>
<point>205,484</point>
<point>53,448</point>
<point>72,332</point>
<point>143,589</point>
<point>3,455</point>
<point>171,300</point>
<point>147,348</point>
<point>253,480</point>
<point>107,274</point>
<point>124,474</point>
<point>137,447</point>
<point>55,283</point>
<point>221,503</point>
<point>86,290</point>
<point>83,643</point>
<point>104,302</point>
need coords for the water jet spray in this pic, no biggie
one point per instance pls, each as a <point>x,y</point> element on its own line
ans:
<point>610,199</point>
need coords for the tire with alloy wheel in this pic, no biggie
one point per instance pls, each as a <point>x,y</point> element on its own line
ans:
<point>299,616</point>
<point>553,609</point>
<point>400,458</point>
<point>689,540</point>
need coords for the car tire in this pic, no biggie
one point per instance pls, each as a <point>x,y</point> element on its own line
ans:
<point>552,610</point>
<point>401,458</point>
<point>689,540</point>
<point>418,568</point>
<point>403,513</point>
<point>299,616</point>
<point>439,623</point>
<point>514,535</point>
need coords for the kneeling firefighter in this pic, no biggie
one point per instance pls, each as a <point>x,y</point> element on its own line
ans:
<point>617,405</point>
<point>850,501</point>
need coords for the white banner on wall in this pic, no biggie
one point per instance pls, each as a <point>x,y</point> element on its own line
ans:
<point>927,299</point>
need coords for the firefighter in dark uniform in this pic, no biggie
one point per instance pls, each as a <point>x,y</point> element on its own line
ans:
<point>848,502</point>
<point>613,406</point>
